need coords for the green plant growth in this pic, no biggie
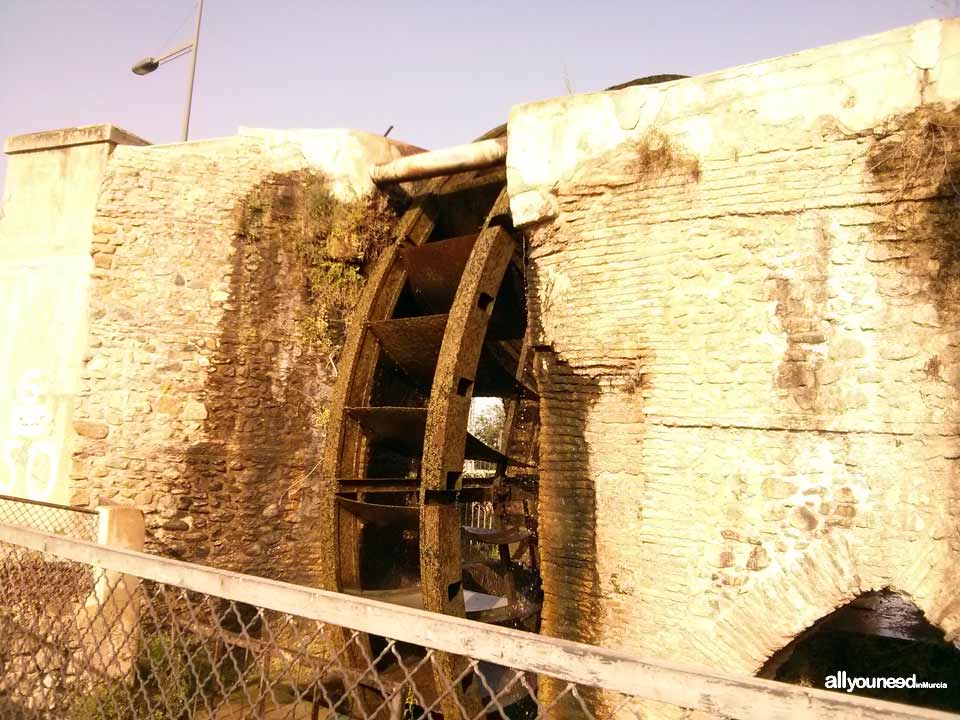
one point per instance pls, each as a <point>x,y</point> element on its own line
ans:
<point>337,241</point>
<point>409,705</point>
<point>334,241</point>
<point>108,701</point>
<point>487,417</point>
<point>172,680</point>
<point>163,673</point>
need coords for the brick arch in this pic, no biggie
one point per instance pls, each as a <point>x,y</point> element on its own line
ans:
<point>930,583</point>
<point>786,600</point>
<point>945,615</point>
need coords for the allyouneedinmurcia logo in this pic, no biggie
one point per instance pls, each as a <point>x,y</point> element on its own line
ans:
<point>842,681</point>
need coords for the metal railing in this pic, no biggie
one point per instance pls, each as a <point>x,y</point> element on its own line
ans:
<point>478,515</point>
<point>75,522</point>
<point>479,468</point>
<point>99,633</point>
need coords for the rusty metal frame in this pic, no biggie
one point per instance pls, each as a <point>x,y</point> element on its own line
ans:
<point>441,571</point>
<point>346,449</point>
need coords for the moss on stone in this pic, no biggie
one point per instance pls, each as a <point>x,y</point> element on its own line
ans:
<point>334,241</point>
<point>656,155</point>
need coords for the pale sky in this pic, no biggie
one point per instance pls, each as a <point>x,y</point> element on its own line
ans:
<point>440,72</point>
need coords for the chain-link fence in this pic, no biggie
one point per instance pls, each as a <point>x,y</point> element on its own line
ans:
<point>98,633</point>
<point>74,522</point>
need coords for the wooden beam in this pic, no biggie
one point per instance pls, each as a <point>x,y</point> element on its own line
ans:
<point>710,691</point>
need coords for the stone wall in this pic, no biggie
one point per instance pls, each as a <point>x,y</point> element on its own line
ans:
<point>202,397</point>
<point>744,287</point>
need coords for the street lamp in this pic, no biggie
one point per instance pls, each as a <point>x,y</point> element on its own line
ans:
<point>149,64</point>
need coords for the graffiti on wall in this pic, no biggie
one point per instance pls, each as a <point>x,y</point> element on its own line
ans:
<point>29,456</point>
<point>43,313</point>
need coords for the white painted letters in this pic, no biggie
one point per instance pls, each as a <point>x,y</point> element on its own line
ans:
<point>30,459</point>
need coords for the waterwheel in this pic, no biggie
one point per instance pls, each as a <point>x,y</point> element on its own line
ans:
<point>442,321</point>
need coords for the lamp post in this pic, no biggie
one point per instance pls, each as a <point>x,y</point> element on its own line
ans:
<point>149,64</point>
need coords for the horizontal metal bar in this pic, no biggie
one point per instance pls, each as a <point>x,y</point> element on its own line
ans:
<point>459,158</point>
<point>709,691</point>
<point>68,508</point>
<point>175,52</point>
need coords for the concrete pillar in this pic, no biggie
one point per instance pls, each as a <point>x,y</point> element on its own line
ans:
<point>109,617</point>
<point>121,526</point>
<point>46,258</point>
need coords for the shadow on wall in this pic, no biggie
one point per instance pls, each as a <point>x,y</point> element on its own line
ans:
<point>914,164</point>
<point>568,518</point>
<point>297,271</point>
<point>265,399</point>
<point>574,604</point>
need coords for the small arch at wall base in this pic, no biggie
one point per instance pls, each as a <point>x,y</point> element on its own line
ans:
<point>879,634</point>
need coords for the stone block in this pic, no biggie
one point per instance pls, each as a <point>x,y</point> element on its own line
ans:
<point>194,410</point>
<point>92,430</point>
<point>777,489</point>
<point>759,559</point>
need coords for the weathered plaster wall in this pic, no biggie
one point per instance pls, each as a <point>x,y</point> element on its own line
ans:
<point>202,400</point>
<point>744,285</point>
<point>53,179</point>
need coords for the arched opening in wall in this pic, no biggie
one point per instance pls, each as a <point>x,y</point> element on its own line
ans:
<point>870,644</point>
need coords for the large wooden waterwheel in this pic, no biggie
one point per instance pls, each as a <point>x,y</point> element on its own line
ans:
<point>442,321</point>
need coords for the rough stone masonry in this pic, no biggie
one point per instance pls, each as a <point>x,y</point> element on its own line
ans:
<point>745,289</point>
<point>200,396</point>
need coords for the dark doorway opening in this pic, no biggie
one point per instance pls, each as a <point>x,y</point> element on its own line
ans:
<point>878,635</point>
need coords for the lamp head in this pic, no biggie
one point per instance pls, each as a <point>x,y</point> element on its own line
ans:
<point>146,66</point>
